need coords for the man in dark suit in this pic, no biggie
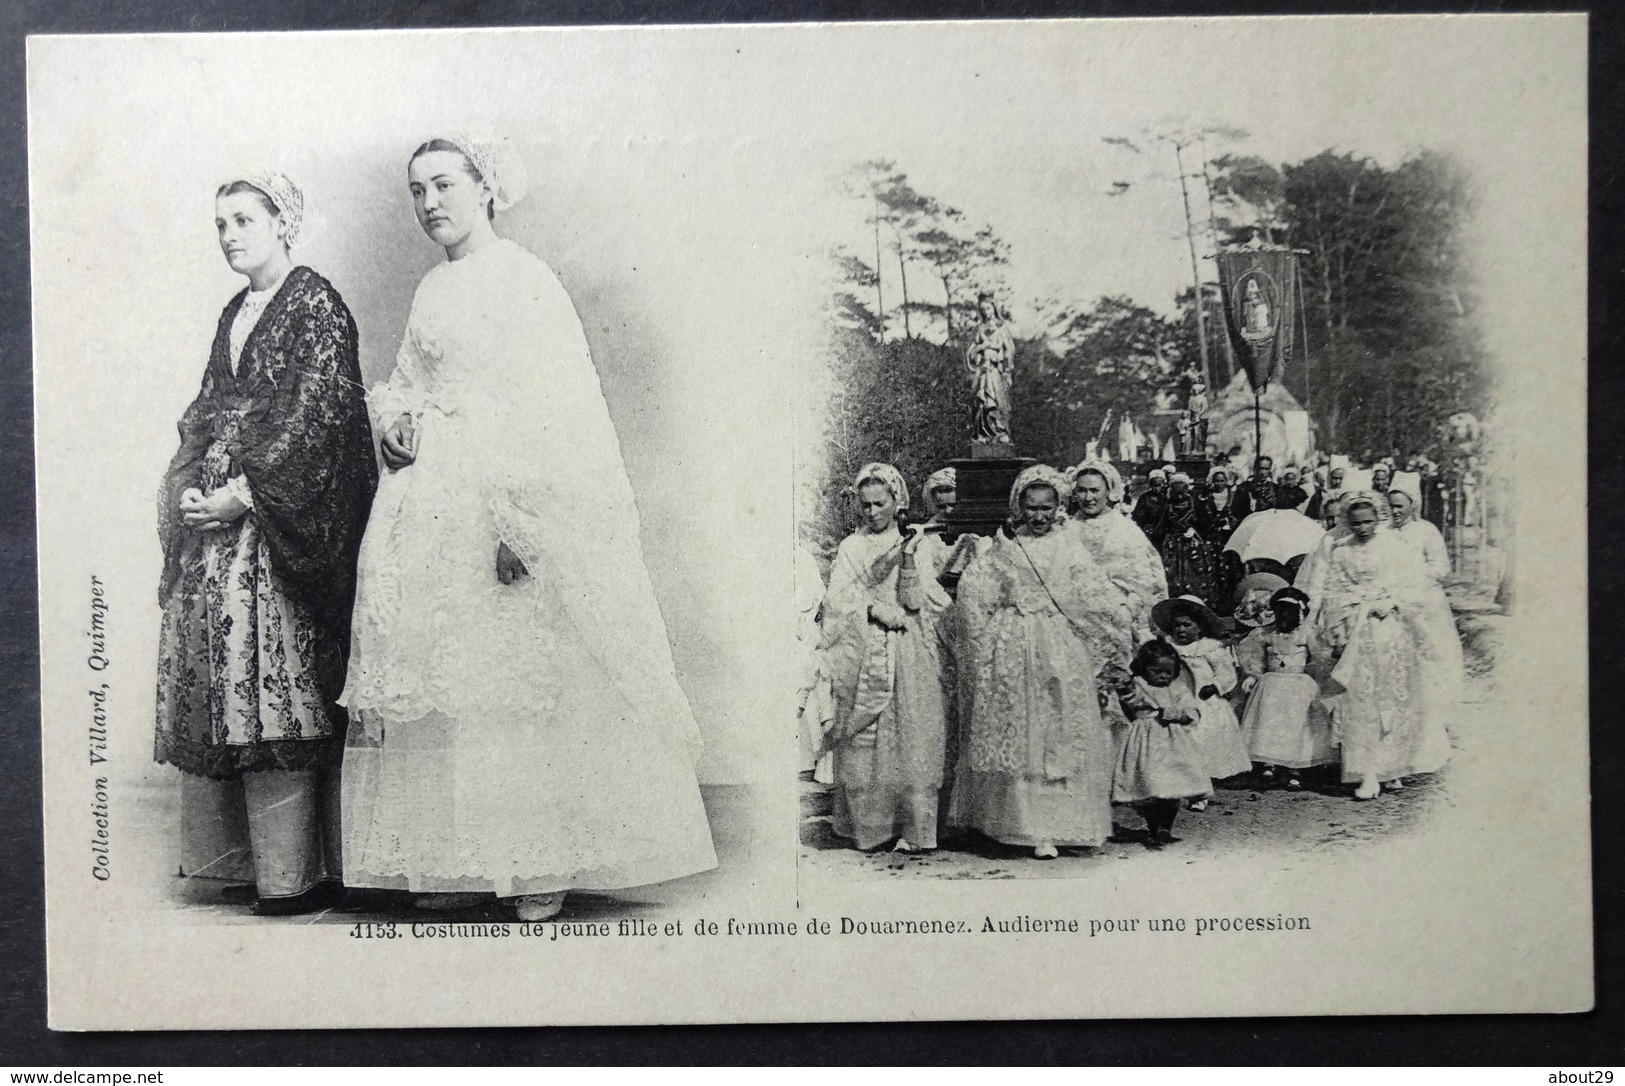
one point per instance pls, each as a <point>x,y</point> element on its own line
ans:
<point>1257,493</point>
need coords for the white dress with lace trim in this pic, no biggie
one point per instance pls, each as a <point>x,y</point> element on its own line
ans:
<point>519,738</point>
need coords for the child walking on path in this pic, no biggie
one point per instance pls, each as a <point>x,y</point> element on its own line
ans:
<point>1284,725</point>
<point>1193,631</point>
<point>1161,762</point>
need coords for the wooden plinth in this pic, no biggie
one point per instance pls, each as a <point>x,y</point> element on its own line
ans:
<point>1197,467</point>
<point>983,485</point>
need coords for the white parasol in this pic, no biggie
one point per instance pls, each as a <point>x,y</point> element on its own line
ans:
<point>1281,534</point>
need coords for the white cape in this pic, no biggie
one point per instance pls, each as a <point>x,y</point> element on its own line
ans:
<point>528,736</point>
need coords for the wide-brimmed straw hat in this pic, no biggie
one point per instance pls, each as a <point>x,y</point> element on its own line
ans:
<point>1164,613</point>
<point>1253,595</point>
<point>1268,583</point>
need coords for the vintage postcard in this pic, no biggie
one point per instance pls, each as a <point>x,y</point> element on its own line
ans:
<point>813,522</point>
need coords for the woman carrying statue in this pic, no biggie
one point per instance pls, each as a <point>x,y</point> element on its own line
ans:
<point>991,361</point>
<point>521,731</point>
<point>1386,698</point>
<point>1040,621</point>
<point>941,565</point>
<point>260,516</point>
<point>886,649</point>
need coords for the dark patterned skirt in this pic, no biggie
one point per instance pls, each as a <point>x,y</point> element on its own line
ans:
<point>1190,567</point>
<point>246,677</point>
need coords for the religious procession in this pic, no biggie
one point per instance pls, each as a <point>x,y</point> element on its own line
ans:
<point>1015,658</point>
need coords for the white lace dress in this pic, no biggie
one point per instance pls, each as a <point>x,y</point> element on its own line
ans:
<point>1387,698</point>
<point>519,738</point>
<point>1037,758</point>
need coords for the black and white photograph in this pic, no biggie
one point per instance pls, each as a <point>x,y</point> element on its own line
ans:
<point>1105,542</point>
<point>419,496</point>
<point>654,525</point>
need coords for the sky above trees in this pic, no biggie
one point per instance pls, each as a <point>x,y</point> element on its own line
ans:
<point>1024,147</point>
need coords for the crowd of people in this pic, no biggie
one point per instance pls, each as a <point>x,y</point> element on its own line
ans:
<point>1115,645</point>
<point>1192,521</point>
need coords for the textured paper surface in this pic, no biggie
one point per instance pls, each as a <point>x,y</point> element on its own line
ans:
<point>683,186</point>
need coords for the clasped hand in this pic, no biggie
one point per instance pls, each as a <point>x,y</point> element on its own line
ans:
<point>399,446</point>
<point>208,514</point>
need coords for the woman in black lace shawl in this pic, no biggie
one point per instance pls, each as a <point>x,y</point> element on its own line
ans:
<point>260,515</point>
<point>1216,520</point>
<point>1187,555</point>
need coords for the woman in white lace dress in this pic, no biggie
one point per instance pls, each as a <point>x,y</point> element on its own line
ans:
<point>885,646</point>
<point>521,731</point>
<point>1040,623</point>
<point>1386,698</point>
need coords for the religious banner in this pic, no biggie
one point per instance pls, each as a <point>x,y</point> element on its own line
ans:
<point>1259,289</point>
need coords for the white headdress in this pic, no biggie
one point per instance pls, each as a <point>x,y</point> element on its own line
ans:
<point>1351,500</point>
<point>497,163</point>
<point>1408,483</point>
<point>1108,473</point>
<point>941,479</point>
<point>1038,475</point>
<point>888,477</point>
<point>285,195</point>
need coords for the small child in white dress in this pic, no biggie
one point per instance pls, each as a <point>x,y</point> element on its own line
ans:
<point>1161,760</point>
<point>1284,725</point>
<point>1193,631</point>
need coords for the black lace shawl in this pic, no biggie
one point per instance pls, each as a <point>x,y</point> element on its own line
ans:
<point>1180,511</point>
<point>294,419</point>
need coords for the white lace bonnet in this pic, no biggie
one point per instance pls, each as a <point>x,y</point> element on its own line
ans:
<point>495,160</point>
<point>285,195</point>
<point>1351,499</point>
<point>888,477</point>
<point>1039,475</point>
<point>941,479</point>
<point>1108,474</point>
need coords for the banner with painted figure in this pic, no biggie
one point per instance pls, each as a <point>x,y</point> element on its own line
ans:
<point>1259,289</point>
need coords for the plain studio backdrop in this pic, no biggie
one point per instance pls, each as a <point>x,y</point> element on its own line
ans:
<point>676,261</point>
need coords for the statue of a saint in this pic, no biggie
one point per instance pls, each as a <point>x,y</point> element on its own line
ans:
<point>1197,404</point>
<point>1196,409</point>
<point>990,360</point>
